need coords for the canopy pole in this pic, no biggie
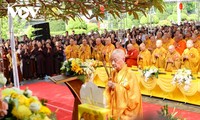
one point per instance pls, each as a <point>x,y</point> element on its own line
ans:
<point>13,51</point>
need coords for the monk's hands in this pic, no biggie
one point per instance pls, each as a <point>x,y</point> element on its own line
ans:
<point>111,84</point>
<point>185,57</point>
<point>126,55</point>
<point>157,55</point>
<point>140,57</point>
<point>170,60</point>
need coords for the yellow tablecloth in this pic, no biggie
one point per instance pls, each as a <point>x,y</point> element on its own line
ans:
<point>161,87</point>
<point>90,112</point>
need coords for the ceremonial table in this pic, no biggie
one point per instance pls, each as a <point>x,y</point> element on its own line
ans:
<point>161,87</point>
<point>74,84</point>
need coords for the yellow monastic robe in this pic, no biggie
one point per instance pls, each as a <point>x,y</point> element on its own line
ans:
<point>193,59</point>
<point>97,54</point>
<point>197,45</point>
<point>145,60</point>
<point>71,51</point>
<point>152,46</point>
<point>125,99</point>
<point>167,44</point>
<point>147,43</point>
<point>84,52</point>
<point>108,50</point>
<point>135,45</point>
<point>160,61</point>
<point>176,64</point>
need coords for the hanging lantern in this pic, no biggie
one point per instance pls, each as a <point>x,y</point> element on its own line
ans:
<point>101,9</point>
<point>180,6</point>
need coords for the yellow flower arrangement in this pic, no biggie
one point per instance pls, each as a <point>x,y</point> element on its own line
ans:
<point>24,106</point>
<point>76,67</point>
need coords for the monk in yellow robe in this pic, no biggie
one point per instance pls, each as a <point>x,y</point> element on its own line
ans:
<point>173,59</point>
<point>108,49</point>
<point>158,55</point>
<point>144,57</point>
<point>152,46</point>
<point>98,50</point>
<point>147,42</point>
<point>71,51</point>
<point>196,42</point>
<point>84,50</point>
<point>123,91</point>
<point>190,57</point>
<point>167,41</point>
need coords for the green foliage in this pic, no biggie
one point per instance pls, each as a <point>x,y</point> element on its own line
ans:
<point>164,22</point>
<point>57,25</point>
<point>76,24</point>
<point>153,19</point>
<point>29,31</point>
<point>58,33</point>
<point>183,16</point>
<point>193,17</point>
<point>92,26</point>
<point>165,115</point>
<point>18,26</point>
<point>143,20</point>
<point>172,18</point>
<point>189,7</point>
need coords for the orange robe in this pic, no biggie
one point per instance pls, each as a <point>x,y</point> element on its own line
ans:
<point>192,62</point>
<point>180,47</point>
<point>167,44</point>
<point>159,62</point>
<point>132,59</point>
<point>147,43</point>
<point>84,52</point>
<point>108,51</point>
<point>175,64</point>
<point>71,51</point>
<point>144,59</point>
<point>97,54</point>
<point>197,45</point>
<point>125,99</point>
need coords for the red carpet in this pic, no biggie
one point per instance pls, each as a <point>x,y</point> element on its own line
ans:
<point>61,101</point>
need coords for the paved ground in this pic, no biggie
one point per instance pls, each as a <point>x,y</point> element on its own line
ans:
<point>153,100</point>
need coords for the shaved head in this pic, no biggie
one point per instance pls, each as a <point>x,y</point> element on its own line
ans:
<point>118,59</point>
<point>171,48</point>
<point>159,43</point>
<point>118,52</point>
<point>129,47</point>
<point>189,44</point>
<point>142,47</point>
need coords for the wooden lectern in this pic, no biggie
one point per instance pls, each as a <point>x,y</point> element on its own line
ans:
<point>74,84</point>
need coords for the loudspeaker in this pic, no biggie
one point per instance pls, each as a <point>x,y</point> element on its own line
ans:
<point>42,31</point>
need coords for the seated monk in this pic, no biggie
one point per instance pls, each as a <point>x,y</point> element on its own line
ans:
<point>123,91</point>
<point>158,55</point>
<point>190,57</point>
<point>173,59</point>
<point>131,57</point>
<point>144,57</point>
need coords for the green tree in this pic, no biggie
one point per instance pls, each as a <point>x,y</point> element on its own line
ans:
<point>92,26</point>
<point>143,20</point>
<point>57,25</point>
<point>76,24</point>
<point>18,26</point>
<point>193,17</point>
<point>164,22</point>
